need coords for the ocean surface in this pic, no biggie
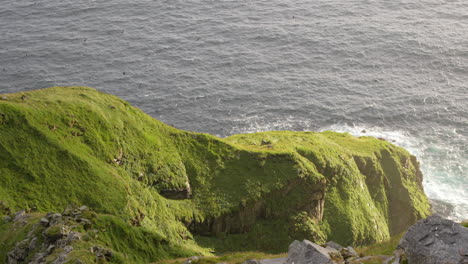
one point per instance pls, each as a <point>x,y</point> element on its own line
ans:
<point>396,69</point>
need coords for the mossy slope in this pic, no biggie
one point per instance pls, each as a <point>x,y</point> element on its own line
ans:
<point>195,191</point>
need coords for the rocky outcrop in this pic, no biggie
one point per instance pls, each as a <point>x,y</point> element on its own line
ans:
<point>436,240</point>
<point>51,239</point>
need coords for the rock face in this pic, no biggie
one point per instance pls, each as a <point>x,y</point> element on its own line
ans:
<point>54,233</point>
<point>436,240</point>
<point>307,252</point>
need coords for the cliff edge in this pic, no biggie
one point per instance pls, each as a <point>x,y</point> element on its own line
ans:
<point>159,192</point>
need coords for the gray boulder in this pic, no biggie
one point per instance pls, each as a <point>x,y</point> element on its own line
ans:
<point>436,240</point>
<point>306,252</point>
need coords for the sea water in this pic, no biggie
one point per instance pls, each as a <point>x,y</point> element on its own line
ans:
<point>394,69</point>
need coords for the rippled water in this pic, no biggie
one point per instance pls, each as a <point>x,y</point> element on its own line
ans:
<point>398,69</point>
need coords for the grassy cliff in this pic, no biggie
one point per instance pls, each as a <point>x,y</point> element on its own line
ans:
<point>160,192</point>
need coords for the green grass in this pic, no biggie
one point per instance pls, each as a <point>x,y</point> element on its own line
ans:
<point>250,192</point>
<point>383,248</point>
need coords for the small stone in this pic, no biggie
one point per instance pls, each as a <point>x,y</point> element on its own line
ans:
<point>21,215</point>
<point>50,249</point>
<point>94,249</point>
<point>4,98</point>
<point>83,208</point>
<point>44,221</point>
<point>67,249</point>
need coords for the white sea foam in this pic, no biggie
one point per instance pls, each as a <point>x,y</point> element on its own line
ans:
<point>443,166</point>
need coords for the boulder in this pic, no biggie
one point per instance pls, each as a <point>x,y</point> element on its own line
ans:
<point>306,252</point>
<point>436,240</point>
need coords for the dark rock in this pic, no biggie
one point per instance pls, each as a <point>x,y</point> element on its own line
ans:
<point>102,253</point>
<point>436,240</point>
<point>308,252</point>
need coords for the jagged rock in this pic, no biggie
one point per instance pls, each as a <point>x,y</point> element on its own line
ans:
<point>19,253</point>
<point>83,208</point>
<point>436,240</point>
<point>7,218</point>
<point>307,252</point>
